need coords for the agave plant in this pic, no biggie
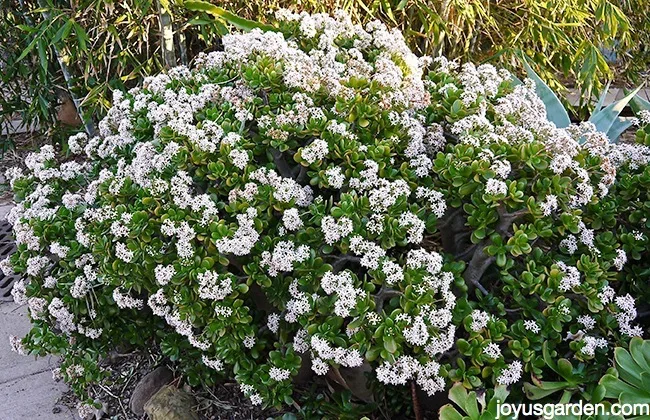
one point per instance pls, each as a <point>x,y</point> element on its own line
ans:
<point>606,118</point>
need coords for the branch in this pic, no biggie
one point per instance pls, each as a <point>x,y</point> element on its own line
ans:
<point>281,163</point>
<point>477,266</point>
<point>417,410</point>
<point>342,260</point>
<point>384,293</point>
<point>507,219</point>
<point>302,175</point>
<point>450,136</point>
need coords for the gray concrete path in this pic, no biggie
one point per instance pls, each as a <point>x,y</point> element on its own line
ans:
<point>27,390</point>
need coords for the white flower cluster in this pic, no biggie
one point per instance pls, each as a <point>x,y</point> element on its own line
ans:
<point>335,230</point>
<point>407,368</point>
<point>342,285</point>
<point>278,374</point>
<point>628,314</point>
<point>215,364</point>
<point>570,277</point>
<point>415,227</point>
<point>214,286</point>
<point>480,320</point>
<point>164,273</point>
<point>244,238</point>
<point>435,200</point>
<point>492,351</point>
<point>620,260</point>
<point>587,321</point>
<point>322,352</point>
<point>284,256</point>
<point>126,301</point>
<point>532,326</point>
<point>590,344</point>
<point>184,235</point>
<point>511,374</point>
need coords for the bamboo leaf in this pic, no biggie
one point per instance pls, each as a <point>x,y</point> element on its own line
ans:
<point>220,13</point>
<point>27,50</point>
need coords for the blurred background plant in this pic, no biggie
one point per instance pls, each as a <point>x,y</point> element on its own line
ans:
<point>58,56</point>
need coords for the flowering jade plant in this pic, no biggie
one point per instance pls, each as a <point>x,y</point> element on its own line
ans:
<point>319,196</point>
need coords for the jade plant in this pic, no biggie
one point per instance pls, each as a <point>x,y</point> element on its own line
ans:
<point>317,196</point>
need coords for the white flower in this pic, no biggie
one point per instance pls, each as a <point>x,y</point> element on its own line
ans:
<point>60,250</point>
<point>291,220</point>
<point>418,333</point>
<point>342,285</point>
<point>492,351</point>
<point>479,320</point>
<point>215,364</point>
<point>570,277</point>
<point>17,345</point>
<point>335,177</point>
<point>319,366</point>
<point>214,286</point>
<point>164,273</point>
<point>496,187</point>
<point>125,301</point>
<point>316,150</point>
<point>335,230</point>
<point>570,243</point>
<point>620,260</point>
<point>123,253</point>
<point>587,321</point>
<point>80,287</point>
<point>239,158</point>
<point>249,341</point>
<point>549,204</point>
<point>532,326</point>
<point>415,227</point>
<point>273,322</point>
<point>36,264</point>
<point>6,267</point>
<point>590,344</point>
<point>284,256</point>
<point>511,374</point>
<point>278,374</point>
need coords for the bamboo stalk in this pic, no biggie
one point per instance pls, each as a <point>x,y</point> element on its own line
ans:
<point>167,44</point>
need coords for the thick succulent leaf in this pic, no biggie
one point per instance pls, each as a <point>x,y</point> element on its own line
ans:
<point>618,127</point>
<point>601,100</point>
<point>615,386</point>
<point>605,118</point>
<point>447,412</point>
<point>638,397</point>
<point>459,395</point>
<point>220,13</point>
<point>554,108</point>
<point>645,381</point>
<point>628,370</point>
<point>638,104</point>
<point>545,389</point>
<point>546,354</point>
<point>640,351</point>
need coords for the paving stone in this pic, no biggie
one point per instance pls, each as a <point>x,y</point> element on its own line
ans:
<point>27,390</point>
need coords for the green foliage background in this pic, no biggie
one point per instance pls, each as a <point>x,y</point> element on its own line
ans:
<point>114,44</point>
